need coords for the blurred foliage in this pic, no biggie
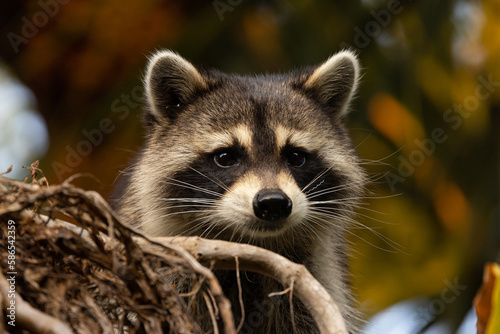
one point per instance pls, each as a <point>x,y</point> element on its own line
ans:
<point>426,122</point>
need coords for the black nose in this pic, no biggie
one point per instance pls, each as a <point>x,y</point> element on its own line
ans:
<point>272,204</point>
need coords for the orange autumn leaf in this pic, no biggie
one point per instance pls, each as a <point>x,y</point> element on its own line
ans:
<point>487,301</point>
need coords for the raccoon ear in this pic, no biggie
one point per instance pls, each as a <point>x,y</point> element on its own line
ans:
<point>171,81</point>
<point>334,82</point>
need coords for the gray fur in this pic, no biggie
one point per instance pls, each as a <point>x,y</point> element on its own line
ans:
<point>263,122</point>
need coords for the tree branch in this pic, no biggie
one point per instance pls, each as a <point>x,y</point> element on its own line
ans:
<point>222,255</point>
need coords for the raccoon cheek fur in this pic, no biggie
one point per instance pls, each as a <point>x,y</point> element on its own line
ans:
<point>264,160</point>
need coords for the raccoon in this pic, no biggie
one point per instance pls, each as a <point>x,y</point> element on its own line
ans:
<point>264,160</point>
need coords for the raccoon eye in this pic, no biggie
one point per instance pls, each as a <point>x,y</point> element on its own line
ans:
<point>225,159</point>
<point>296,159</point>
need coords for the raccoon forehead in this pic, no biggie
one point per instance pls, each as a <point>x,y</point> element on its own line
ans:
<point>243,136</point>
<point>240,134</point>
<point>298,138</point>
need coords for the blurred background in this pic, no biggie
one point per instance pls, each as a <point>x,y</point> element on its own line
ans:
<point>426,121</point>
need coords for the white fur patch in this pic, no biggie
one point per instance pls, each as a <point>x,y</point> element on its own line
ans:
<point>305,139</point>
<point>215,140</point>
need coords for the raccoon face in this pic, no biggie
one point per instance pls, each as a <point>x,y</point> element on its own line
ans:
<point>247,158</point>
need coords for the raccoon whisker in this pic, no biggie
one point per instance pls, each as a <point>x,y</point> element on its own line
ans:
<point>191,206</point>
<point>315,187</point>
<point>209,229</point>
<point>336,205</point>
<point>376,162</point>
<point>216,181</point>
<point>312,218</point>
<point>218,233</point>
<point>356,200</point>
<point>306,228</point>
<point>334,214</point>
<point>181,213</point>
<point>251,237</point>
<point>197,225</point>
<point>315,228</point>
<point>375,178</point>
<point>171,202</point>
<point>228,226</point>
<point>328,219</point>
<point>346,200</point>
<point>316,178</point>
<point>235,232</point>
<point>359,207</point>
<point>364,140</point>
<point>127,171</point>
<point>184,204</point>
<point>380,161</point>
<point>189,199</point>
<point>395,250</point>
<point>352,222</point>
<point>380,197</point>
<point>187,185</point>
<point>329,190</point>
<point>379,235</point>
<point>333,210</point>
<point>240,235</point>
<point>201,226</point>
<point>359,201</point>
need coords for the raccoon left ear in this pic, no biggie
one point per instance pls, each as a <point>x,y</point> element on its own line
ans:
<point>335,81</point>
<point>170,82</point>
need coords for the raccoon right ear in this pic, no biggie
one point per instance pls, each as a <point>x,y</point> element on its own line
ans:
<point>170,82</point>
<point>334,82</point>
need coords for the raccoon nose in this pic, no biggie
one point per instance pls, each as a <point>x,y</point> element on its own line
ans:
<point>272,204</point>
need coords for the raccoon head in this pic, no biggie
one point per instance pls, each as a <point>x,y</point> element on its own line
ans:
<point>246,158</point>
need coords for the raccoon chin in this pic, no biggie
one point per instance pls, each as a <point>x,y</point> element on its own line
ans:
<point>254,229</point>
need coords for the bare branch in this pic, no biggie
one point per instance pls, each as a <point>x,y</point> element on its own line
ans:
<point>251,258</point>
